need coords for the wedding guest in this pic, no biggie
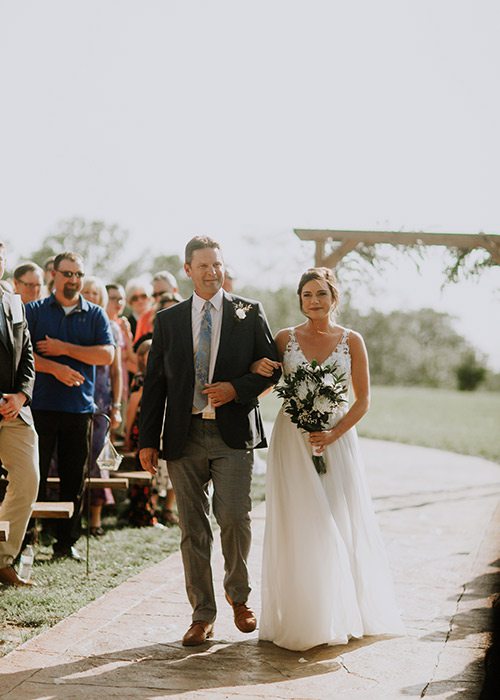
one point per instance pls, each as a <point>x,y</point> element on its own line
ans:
<point>28,281</point>
<point>18,440</point>
<point>107,398</point>
<point>162,478</point>
<point>229,279</point>
<point>48,278</point>
<point>163,283</point>
<point>71,337</point>
<point>138,300</point>
<point>143,498</point>
<point>166,300</point>
<point>114,309</point>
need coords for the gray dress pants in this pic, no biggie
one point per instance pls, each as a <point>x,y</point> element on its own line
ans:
<point>207,458</point>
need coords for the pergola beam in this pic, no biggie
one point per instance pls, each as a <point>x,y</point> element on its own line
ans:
<point>349,240</point>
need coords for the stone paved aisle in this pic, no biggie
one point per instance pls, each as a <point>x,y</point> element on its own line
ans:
<point>440,518</point>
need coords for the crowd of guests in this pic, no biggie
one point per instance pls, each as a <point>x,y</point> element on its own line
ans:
<point>84,344</point>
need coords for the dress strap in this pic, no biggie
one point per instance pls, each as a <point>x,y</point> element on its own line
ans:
<point>292,340</point>
<point>343,344</point>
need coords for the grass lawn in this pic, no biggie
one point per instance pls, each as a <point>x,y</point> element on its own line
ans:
<point>458,421</point>
<point>449,420</point>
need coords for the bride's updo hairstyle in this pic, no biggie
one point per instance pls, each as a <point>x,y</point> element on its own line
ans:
<point>323,274</point>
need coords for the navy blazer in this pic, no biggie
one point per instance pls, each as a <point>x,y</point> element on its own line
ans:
<point>170,377</point>
<point>17,365</point>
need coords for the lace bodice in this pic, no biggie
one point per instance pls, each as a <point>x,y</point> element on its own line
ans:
<point>293,355</point>
<point>340,356</point>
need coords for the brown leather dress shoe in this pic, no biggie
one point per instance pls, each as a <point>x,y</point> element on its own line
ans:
<point>9,577</point>
<point>244,618</point>
<point>198,633</point>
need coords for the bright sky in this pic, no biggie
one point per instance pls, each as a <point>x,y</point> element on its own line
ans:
<point>246,118</point>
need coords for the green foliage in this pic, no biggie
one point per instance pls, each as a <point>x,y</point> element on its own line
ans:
<point>99,244</point>
<point>281,305</point>
<point>470,374</point>
<point>409,347</point>
<point>467,263</point>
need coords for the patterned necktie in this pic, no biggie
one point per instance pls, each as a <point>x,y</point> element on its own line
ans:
<point>202,359</point>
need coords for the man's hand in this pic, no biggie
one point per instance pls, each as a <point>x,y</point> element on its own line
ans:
<point>149,459</point>
<point>51,346</point>
<point>11,405</point>
<point>220,393</point>
<point>67,375</point>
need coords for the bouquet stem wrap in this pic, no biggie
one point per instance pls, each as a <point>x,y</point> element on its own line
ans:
<point>318,460</point>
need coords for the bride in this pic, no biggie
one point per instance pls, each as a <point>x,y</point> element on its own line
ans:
<point>325,574</point>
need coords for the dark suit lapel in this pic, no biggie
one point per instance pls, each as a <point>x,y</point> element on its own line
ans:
<point>186,330</point>
<point>8,324</point>
<point>228,321</point>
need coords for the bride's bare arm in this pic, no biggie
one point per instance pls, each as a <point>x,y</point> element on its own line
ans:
<point>360,377</point>
<point>265,366</point>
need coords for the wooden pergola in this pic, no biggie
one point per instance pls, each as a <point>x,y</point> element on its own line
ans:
<point>328,254</point>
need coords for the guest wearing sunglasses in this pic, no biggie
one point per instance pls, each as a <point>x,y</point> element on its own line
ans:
<point>163,283</point>
<point>70,337</point>
<point>139,300</point>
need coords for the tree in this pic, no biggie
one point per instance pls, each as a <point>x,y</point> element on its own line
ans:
<point>409,347</point>
<point>470,373</point>
<point>100,244</point>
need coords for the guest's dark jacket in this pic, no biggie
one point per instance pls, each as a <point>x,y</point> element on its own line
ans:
<point>245,337</point>
<point>17,366</point>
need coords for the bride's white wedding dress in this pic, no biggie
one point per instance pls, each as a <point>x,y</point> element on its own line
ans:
<point>325,575</point>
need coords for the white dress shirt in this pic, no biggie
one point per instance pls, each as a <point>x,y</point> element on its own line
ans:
<point>196,317</point>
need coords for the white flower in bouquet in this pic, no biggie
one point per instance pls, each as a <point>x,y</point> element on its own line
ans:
<point>302,390</point>
<point>322,404</point>
<point>329,380</point>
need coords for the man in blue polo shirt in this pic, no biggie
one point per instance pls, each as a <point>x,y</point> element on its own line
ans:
<point>70,337</point>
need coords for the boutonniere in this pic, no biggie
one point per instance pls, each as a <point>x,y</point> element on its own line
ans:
<point>241,310</point>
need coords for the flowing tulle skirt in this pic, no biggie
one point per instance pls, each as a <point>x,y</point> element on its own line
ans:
<point>325,574</point>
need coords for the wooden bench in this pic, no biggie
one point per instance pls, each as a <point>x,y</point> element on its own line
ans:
<point>98,482</point>
<point>53,509</point>
<point>4,530</point>
<point>139,477</point>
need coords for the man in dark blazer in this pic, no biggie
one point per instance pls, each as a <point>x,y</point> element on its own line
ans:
<point>200,394</point>
<point>18,440</point>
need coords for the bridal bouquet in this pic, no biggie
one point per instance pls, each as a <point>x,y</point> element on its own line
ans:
<point>310,395</point>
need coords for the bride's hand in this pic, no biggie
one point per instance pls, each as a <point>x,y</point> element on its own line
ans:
<point>265,367</point>
<point>321,439</point>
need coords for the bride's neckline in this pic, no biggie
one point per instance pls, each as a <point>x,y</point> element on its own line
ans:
<point>340,342</point>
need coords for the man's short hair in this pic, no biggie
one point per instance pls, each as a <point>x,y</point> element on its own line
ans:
<point>67,255</point>
<point>114,285</point>
<point>27,267</point>
<point>198,243</point>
